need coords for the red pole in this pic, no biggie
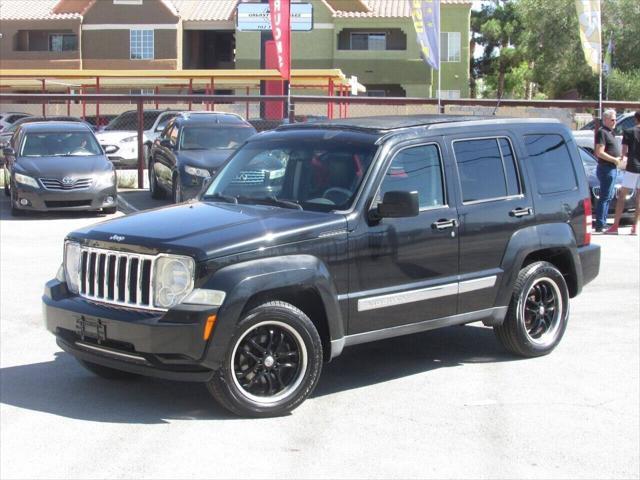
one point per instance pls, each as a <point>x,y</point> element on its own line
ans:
<point>44,90</point>
<point>190,91</point>
<point>212,87</point>
<point>346,104</point>
<point>97,103</point>
<point>330,104</point>
<point>84,104</point>
<point>68,103</point>
<point>140,145</point>
<point>246,116</point>
<point>157,92</point>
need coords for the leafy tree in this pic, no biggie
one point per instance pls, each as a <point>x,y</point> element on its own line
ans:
<point>497,28</point>
<point>621,20</point>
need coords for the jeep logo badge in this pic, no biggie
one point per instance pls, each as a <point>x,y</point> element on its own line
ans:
<point>117,238</point>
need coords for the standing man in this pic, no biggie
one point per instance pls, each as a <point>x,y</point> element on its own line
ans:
<point>608,155</point>
<point>631,180</point>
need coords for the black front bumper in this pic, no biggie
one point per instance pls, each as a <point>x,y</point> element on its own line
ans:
<point>166,345</point>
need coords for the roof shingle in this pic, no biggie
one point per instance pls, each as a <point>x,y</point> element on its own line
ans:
<point>33,10</point>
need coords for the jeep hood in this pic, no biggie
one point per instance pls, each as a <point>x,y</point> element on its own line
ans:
<point>208,230</point>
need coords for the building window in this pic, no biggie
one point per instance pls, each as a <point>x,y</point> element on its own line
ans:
<point>450,45</point>
<point>450,94</point>
<point>141,44</point>
<point>368,41</point>
<point>63,43</point>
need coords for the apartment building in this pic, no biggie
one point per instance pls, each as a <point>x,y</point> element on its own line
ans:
<point>372,39</point>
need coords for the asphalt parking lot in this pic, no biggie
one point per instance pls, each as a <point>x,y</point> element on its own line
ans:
<point>447,403</point>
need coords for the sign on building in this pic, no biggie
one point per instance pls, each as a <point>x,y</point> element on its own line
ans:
<point>253,17</point>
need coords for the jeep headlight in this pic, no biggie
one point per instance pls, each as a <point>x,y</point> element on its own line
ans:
<point>197,172</point>
<point>72,259</point>
<point>172,280</point>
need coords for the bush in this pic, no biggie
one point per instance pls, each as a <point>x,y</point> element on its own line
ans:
<point>624,86</point>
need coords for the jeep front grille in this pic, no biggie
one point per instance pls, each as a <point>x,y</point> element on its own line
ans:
<point>250,177</point>
<point>117,278</point>
<point>630,194</point>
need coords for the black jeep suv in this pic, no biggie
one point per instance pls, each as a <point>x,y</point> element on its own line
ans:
<point>376,228</point>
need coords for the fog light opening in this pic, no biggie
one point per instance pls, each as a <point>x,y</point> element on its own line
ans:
<point>109,200</point>
<point>24,202</point>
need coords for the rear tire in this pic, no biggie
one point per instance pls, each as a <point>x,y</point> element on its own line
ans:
<point>538,312</point>
<point>106,372</point>
<point>272,363</point>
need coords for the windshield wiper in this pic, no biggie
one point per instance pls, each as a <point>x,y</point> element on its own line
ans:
<point>224,198</point>
<point>271,201</point>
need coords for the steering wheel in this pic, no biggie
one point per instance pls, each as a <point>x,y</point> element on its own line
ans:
<point>337,195</point>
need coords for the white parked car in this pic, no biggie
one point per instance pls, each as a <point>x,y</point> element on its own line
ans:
<point>9,118</point>
<point>121,135</point>
<point>585,137</point>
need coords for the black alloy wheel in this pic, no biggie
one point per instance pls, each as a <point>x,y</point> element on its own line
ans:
<point>538,313</point>
<point>272,362</point>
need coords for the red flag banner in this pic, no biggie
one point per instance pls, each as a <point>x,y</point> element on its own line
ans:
<point>280,11</point>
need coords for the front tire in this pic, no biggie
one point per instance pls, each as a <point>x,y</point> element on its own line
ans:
<point>7,180</point>
<point>176,189</point>
<point>538,312</point>
<point>272,362</point>
<point>106,372</point>
<point>109,210</point>
<point>155,190</point>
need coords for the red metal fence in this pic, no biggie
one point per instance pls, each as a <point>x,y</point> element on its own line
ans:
<point>97,109</point>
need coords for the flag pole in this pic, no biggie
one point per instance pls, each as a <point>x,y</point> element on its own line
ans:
<point>289,110</point>
<point>601,58</point>
<point>439,58</point>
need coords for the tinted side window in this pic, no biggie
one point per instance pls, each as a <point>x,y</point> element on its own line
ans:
<point>416,169</point>
<point>551,163</point>
<point>480,168</point>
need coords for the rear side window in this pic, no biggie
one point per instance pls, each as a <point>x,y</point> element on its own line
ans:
<point>487,169</point>
<point>551,163</point>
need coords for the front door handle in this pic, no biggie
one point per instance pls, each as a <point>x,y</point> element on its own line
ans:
<point>521,212</point>
<point>443,224</point>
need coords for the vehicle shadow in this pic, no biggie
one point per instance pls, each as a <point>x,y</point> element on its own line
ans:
<point>377,362</point>
<point>62,387</point>
<point>138,200</point>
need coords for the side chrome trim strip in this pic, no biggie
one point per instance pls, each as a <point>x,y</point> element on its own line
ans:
<point>410,296</point>
<point>477,284</point>
<point>113,353</point>
<point>498,312</point>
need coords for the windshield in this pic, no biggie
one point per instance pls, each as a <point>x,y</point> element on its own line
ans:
<point>320,175</point>
<point>214,138</point>
<point>59,144</point>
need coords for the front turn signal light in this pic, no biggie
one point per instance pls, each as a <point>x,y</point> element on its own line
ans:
<point>208,327</point>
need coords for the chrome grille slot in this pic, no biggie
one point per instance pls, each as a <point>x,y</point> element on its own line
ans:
<point>250,177</point>
<point>75,184</point>
<point>117,278</point>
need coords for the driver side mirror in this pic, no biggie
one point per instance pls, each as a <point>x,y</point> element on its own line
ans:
<point>109,149</point>
<point>166,143</point>
<point>398,204</point>
<point>8,152</point>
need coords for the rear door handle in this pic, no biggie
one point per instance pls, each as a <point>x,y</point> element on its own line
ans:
<point>443,224</point>
<point>521,212</point>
